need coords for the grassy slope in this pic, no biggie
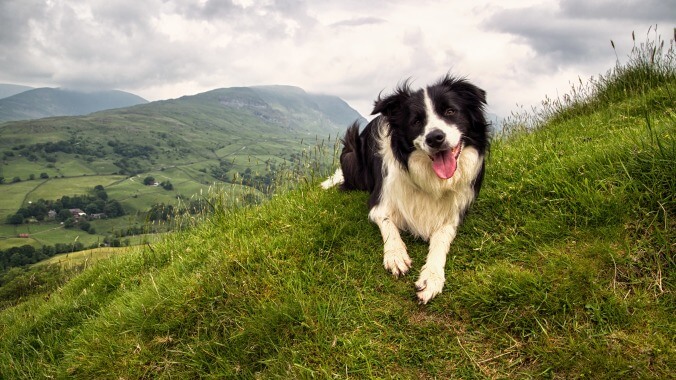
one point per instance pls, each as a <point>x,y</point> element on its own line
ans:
<point>564,268</point>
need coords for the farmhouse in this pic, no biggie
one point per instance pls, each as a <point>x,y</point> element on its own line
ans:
<point>77,213</point>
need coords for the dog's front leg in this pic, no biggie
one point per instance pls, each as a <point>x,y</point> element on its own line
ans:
<point>395,258</point>
<point>432,278</point>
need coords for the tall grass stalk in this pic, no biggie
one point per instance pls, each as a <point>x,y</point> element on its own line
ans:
<point>649,64</point>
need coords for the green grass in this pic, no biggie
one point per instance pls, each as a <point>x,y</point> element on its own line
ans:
<point>13,195</point>
<point>55,188</point>
<point>86,257</point>
<point>564,268</point>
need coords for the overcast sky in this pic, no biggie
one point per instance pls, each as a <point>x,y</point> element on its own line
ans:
<point>518,51</point>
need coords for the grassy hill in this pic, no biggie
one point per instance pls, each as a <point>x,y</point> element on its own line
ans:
<point>45,102</point>
<point>564,268</point>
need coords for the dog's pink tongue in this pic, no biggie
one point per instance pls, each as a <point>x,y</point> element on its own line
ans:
<point>444,164</point>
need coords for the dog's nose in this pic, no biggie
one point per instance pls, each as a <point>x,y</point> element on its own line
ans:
<point>435,138</point>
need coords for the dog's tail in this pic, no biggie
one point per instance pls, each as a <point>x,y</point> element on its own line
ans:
<point>349,159</point>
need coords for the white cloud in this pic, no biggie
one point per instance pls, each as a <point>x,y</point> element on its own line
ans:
<point>516,51</point>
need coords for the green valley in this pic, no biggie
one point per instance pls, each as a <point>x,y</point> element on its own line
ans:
<point>238,139</point>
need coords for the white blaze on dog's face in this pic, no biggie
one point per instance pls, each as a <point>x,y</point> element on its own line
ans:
<point>440,138</point>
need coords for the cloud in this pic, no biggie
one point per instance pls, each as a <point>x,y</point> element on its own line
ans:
<point>358,22</point>
<point>649,11</point>
<point>354,49</point>
<point>577,32</point>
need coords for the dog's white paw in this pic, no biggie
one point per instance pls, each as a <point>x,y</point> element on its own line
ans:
<point>396,260</point>
<point>429,284</point>
<point>336,179</point>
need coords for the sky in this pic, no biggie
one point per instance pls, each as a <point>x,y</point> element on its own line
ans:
<point>518,51</point>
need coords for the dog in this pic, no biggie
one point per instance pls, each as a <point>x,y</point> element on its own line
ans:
<point>422,159</point>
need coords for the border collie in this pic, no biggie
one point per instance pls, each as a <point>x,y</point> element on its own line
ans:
<point>422,161</point>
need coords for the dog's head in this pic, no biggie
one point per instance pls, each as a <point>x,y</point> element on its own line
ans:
<point>439,120</point>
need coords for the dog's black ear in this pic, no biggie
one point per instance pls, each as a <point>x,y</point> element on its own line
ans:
<point>386,106</point>
<point>469,92</point>
<point>389,105</point>
<point>472,93</point>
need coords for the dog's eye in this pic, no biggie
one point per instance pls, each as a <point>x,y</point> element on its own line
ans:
<point>449,112</point>
<point>417,123</point>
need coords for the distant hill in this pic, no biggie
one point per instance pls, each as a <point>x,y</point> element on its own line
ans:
<point>7,90</point>
<point>45,102</point>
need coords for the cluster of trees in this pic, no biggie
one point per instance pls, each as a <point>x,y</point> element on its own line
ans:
<point>27,254</point>
<point>133,156</point>
<point>96,202</point>
<point>47,150</point>
<point>161,212</point>
<point>220,172</point>
<point>262,182</point>
<point>24,255</point>
<point>150,180</point>
<point>131,150</point>
<point>31,177</point>
<point>17,283</point>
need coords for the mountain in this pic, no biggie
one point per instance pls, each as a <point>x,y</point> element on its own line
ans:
<point>288,107</point>
<point>7,90</point>
<point>44,102</point>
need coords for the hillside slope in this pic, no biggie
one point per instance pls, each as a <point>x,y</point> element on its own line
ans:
<point>45,102</point>
<point>564,268</point>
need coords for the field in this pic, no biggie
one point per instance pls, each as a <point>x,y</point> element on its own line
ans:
<point>13,196</point>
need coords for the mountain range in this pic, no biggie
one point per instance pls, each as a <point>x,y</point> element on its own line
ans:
<point>24,103</point>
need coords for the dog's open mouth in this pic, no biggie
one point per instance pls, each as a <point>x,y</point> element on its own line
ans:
<point>445,162</point>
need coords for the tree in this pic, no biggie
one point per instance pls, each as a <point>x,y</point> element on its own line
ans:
<point>15,219</point>
<point>63,215</point>
<point>160,211</point>
<point>16,179</point>
<point>69,223</point>
<point>113,209</point>
<point>85,225</point>
<point>95,207</point>
<point>167,185</point>
<point>44,175</point>
<point>149,181</point>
